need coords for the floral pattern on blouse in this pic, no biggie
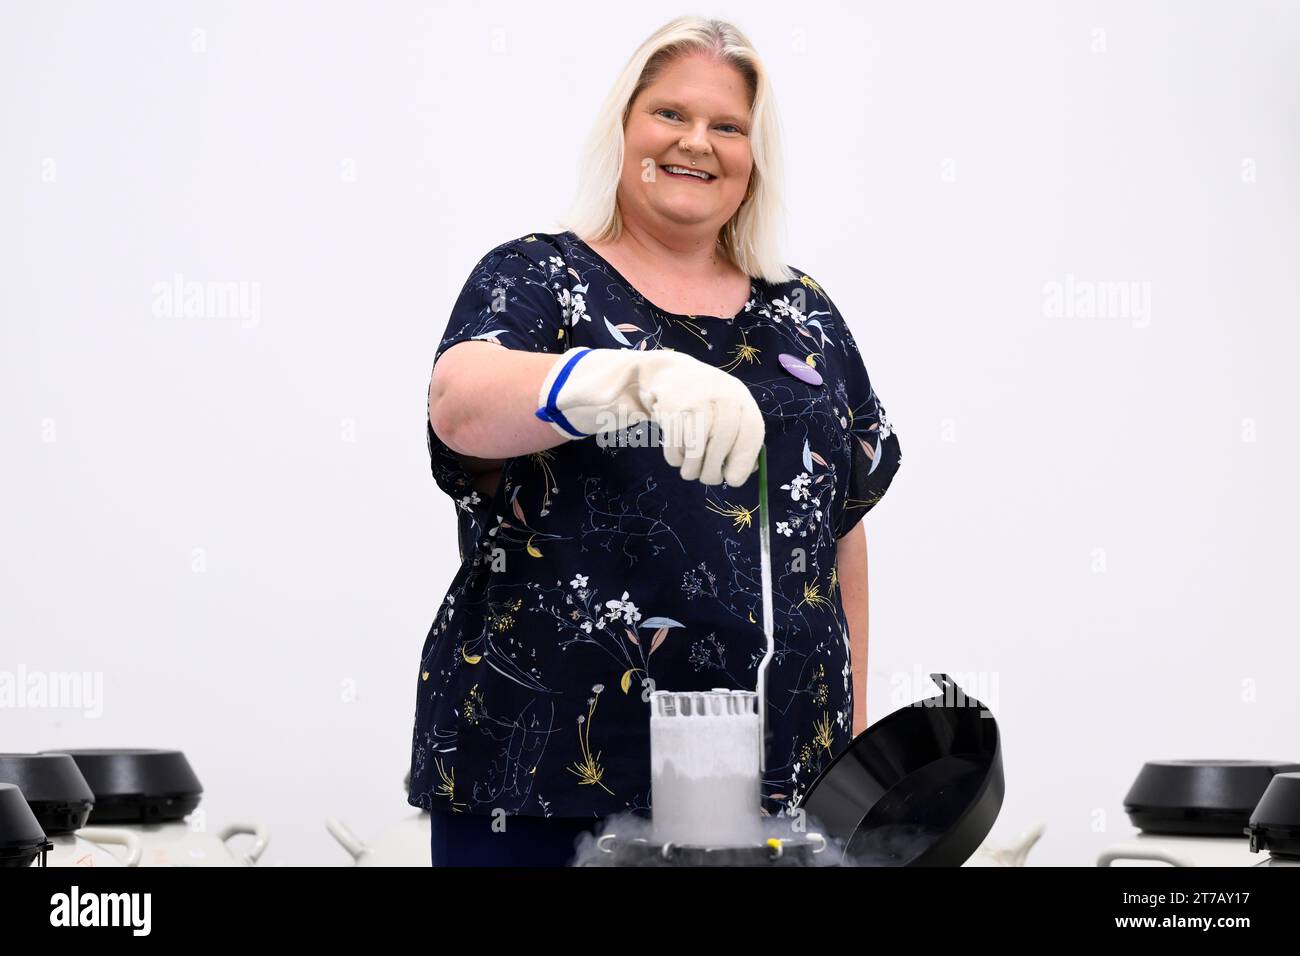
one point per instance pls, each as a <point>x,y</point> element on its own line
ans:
<point>595,573</point>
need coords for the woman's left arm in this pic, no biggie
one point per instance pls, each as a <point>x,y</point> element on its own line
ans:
<point>851,573</point>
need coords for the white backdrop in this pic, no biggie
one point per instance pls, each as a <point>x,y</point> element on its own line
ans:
<point>1065,236</point>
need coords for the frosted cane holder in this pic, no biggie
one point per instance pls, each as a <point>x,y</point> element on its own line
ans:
<point>704,768</point>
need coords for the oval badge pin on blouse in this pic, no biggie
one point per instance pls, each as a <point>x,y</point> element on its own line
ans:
<point>799,369</point>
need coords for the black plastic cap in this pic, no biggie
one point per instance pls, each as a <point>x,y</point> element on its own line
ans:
<point>1199,797</point>
<point>138,786</point>
<point>54,788</point>
<point>21,836</point>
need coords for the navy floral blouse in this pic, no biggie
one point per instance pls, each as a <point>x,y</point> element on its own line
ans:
<point>595,573</point>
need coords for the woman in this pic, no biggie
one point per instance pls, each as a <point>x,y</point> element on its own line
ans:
<point>596,410</point>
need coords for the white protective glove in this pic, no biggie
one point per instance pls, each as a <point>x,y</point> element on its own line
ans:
<point>709,423</point>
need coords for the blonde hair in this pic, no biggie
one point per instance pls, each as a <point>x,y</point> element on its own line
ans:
<point>751,238</point>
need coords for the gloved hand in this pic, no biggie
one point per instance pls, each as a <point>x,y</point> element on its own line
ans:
<point>709,423</point>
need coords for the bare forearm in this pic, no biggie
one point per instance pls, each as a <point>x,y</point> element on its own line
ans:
<point>851,564</point>
<point>482,397</point>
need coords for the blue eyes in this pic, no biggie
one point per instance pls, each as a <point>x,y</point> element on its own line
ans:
<point>731,126</point>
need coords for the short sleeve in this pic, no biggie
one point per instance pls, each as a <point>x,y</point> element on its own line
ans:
<point>874,448</point>
<point>517,295</point>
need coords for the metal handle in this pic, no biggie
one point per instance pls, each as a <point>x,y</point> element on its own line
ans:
<point>125,838</point>
<point>349,840</point>
<point>261,837</point>
<point>1131,852</point>
<point>765,567</point>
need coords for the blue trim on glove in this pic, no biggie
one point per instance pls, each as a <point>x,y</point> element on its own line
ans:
<point>548,412</point>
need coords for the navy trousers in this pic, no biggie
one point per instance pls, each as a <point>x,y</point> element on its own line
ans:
<point>468,839</point>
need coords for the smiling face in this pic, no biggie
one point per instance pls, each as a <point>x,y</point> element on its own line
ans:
<point>697,109</point>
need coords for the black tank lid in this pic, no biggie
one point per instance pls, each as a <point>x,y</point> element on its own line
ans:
<point>21,837</point>
<point>1199,797</point>
<point>919,787</point>
<point>1275,823</point>
<point>53,787</point>
<point>138,786</point>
